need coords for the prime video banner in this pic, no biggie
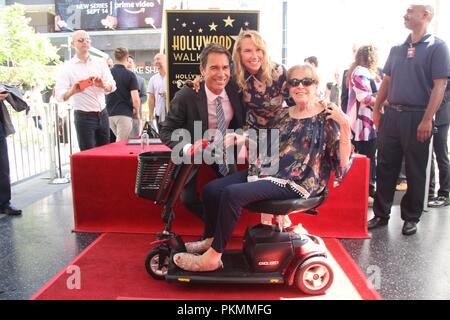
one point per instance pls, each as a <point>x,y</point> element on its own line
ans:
<point>107,14</point>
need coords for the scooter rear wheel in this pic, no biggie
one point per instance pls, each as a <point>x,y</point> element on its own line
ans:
<point>152,264</point>
<point>314,276</point>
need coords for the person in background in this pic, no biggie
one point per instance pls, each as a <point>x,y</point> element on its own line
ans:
<point>124,103</point>
<point>13,97</point>
<point>333,90</point>
<point>415,81</point>
<point>85,79</point>
<point>304,169</point>
<point>364,83</point>
<point>157,91</point>
<point>440,147</point>
<point>109,62</point>
<point>137,122</point>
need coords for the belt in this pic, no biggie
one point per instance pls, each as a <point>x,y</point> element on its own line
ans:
<point>91,113</point>
<point>405,108</point>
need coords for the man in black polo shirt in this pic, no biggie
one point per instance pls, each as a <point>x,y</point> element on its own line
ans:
<point>124,102</point>
<point>415,80</point>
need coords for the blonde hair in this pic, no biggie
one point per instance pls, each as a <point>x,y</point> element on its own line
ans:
<point>366,56</point>
<point>267,66</point>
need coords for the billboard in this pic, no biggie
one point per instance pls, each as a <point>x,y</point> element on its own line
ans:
<point>107,14</point>
<point>188,32</point>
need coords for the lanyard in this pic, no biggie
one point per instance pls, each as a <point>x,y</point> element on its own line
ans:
<point>411,52</point>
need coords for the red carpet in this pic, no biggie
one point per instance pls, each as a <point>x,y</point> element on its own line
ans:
<point>112,267</point>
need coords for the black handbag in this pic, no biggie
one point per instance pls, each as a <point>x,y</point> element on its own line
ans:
<point>152,133</point>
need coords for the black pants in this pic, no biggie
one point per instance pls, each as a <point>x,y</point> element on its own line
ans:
<point>397,138</point>
<point>190,197</point>
<point>5,182</point>
<point>369,149</point>
<point>440,148</point>
<point>224,199</point>
<point>92,130</point>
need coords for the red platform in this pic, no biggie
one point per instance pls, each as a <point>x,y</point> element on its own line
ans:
<point>104,200</point>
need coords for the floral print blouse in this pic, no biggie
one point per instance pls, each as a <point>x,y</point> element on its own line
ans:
<point>264,103</point>
<point>309,151</point>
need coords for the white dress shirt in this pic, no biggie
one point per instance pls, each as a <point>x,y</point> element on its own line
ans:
<point>92,98</point>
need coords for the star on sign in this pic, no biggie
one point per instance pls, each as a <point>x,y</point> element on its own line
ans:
<point>236,36</point>
<point>184,24</point>
<point>228,21</point>
<point>246,23</point>
<point>212,27</point>
<point>200,30</point>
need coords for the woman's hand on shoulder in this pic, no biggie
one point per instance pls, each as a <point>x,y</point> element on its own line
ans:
<point>196,83</point>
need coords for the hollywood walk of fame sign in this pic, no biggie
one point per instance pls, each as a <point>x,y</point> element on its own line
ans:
<point>188,32</point>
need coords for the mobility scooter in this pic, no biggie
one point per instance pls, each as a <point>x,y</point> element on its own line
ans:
<point>271,253</point>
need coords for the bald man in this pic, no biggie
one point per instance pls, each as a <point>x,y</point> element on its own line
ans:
<point>416,74</point>
<point>85,80</point>
<point>156,89</point>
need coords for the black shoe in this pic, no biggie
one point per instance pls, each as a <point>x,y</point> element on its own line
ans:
<point>409,228</point>
<point>377,222</point>
<point>10,211</point>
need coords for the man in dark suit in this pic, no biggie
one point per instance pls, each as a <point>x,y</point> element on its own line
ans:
<point>217,103</point>
<point>5,181</point>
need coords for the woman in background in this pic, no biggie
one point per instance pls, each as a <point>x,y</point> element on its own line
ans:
<point>364,80</point>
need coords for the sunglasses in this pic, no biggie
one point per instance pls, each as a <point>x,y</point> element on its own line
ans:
<point>81,40</point>
<point>306,82</point>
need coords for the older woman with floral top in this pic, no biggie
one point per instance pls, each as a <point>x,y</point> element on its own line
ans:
<point>314,140</point>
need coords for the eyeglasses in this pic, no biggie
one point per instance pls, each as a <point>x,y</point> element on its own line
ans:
<point>306,82</point>
<point>82,40</point>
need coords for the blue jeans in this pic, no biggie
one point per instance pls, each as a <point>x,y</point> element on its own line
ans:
<point>224,199</point>
<point>92,129</point>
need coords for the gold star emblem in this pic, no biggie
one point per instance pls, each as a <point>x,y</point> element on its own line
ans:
<point>212,27</point>
<point>228,21</point>
<point>200,30</point>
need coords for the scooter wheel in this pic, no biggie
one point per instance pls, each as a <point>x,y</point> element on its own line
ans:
<point>152,264</point>
<point>314,276</point>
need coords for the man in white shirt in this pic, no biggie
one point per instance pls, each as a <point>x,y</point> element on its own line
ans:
<point>86,79</point>
<point>157,91</point>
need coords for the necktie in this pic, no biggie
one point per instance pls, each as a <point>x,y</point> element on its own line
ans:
<point>221,126</point>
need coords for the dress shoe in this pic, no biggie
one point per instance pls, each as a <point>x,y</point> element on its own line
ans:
<point>377,222</point>
<point>409,228</point>
<point>10,211</point>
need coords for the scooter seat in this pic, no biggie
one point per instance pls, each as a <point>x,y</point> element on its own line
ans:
<point>286,207</point>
